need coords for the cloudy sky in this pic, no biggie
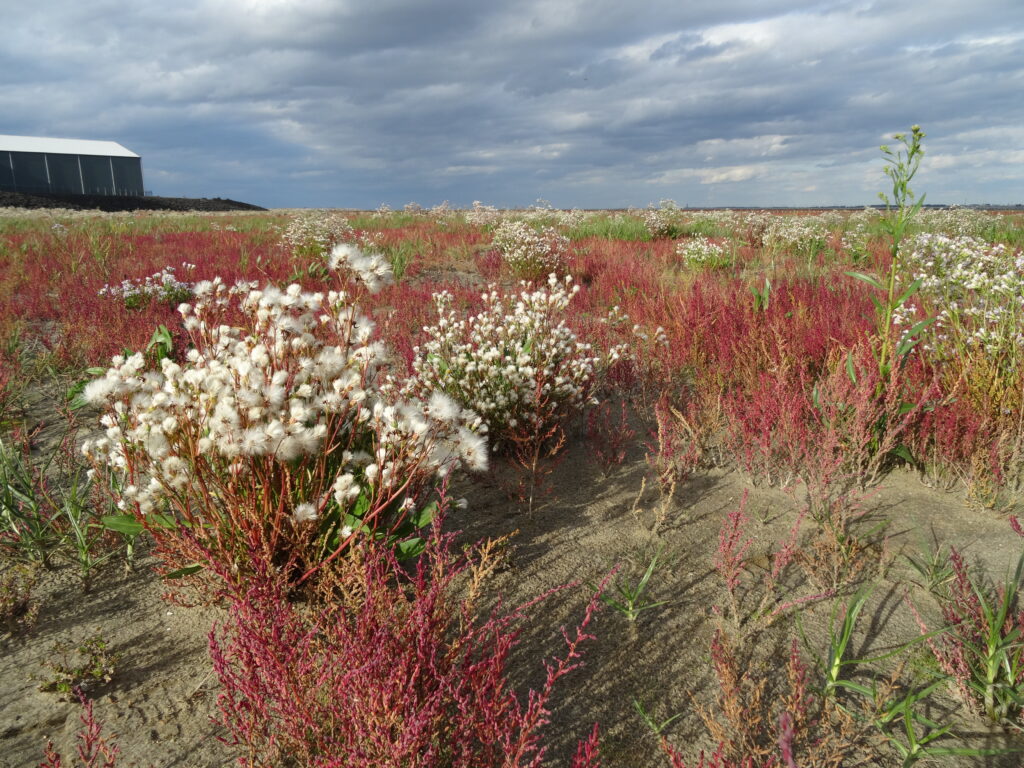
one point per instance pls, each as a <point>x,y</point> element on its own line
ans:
<point>584,103</point>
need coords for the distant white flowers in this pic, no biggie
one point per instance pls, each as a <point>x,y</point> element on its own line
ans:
<point>531,253</point>
<point>702,252</point>
<point>483,215</point>
<point>160,286</point>
<point>663,221</point>
<point>314,234</point>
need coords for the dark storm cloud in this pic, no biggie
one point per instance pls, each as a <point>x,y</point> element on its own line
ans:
<point>582,102</point>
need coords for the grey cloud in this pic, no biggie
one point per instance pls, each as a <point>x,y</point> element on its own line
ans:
<point>585,103</point>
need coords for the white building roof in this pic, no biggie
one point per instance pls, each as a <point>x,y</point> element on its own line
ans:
<point>63,146</point>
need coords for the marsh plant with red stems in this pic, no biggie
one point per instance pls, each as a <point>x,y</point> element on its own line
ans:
<point>404,672</point>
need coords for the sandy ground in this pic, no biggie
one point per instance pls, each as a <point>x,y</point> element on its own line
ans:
<point>161,699</point>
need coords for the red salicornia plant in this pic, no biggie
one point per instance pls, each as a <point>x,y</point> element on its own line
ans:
<point>403,675</point>
<point>93,750</point>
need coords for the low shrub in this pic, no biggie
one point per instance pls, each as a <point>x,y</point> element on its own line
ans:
<point>403,675</point>
<point>529,253</point>
<point>313,235</point>
<point>515,363</point>
<point>276,435</point>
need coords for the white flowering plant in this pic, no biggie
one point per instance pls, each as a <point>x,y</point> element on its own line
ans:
<point>665,221</point>
<point>313,235</point>
<point>800,236</point>
<point>515,363</point>
<point>163,286</point>
<point>483,215</point>
<point>277,437</point>
<point>530,253</point>
<point>703,253</point>
<point>974,289</point>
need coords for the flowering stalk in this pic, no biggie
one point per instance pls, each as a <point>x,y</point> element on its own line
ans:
<point>901,168</point>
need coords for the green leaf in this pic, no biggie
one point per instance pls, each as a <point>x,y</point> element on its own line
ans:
<point>126,524</point>
<point>425,516</point>
<point>879,308</point>
<point>168,522</point>
<point>914,286</point>
<point>866,278</point>
<point>361,506</point>
<point>188,570</point>
<point>355,523</point>
<point>908,342</point>
<point>404,550</point>
<point>131,526</point>
<point>904,453</point>
<point>849,368</point>
<point>161,338</point>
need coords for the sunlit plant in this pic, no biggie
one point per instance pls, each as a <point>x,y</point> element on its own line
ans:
<point>664,221</point>
<point>314,234</point>
<point>975,290</point>
<point>901,208</point>
<point>275,437</point>
<point>530,253</point>
<point>701,252</point>
<point>515,363</point>
<point>163,286</point>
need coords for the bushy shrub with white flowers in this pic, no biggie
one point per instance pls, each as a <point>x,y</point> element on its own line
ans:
<point>160,286</point>
<point>275,437</point>
<point>529,253</point>
<point>443,213</point>
<point>721,223</point>
<point>542,213</point>
<point>314,234</point>
<point>956,221</point>
<point>855,241</point>
<point>515,363</point>
<point>572,218</point>
<point>702,253</point>
<point>975,289</point>
<point>803,236</point>
<point>665,221</point>
<point>483,215</point>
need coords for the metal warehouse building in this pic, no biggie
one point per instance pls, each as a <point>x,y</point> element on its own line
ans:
<point>68,167</point>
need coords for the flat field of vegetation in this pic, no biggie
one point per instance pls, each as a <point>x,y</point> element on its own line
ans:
<point>475,488</point>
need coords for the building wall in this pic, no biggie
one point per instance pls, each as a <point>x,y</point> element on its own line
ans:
<point>35,172</point>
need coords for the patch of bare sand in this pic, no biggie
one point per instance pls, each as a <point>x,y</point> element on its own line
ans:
<point>161,700</point>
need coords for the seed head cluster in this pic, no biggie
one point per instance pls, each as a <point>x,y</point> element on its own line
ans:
<point>370,269</point>
<point>515,363</point>
<point>528,252</point>
<point>295,384</point>
<point>316,233</point>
